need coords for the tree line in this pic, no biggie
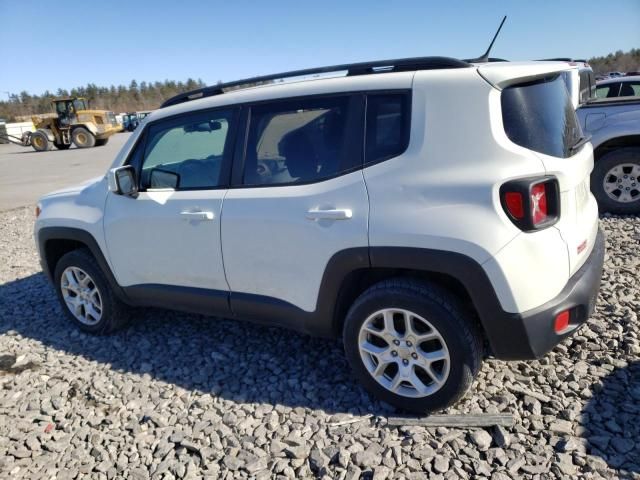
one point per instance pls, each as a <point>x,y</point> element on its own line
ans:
<point>149,95</point>
<point>121,98</point>
<point>617,62</point>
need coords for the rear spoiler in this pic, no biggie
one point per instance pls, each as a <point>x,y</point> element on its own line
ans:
<point>502,75</point>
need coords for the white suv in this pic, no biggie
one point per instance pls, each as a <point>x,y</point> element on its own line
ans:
<point>428,210</point>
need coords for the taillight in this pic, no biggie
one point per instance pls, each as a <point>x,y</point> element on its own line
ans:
<point>531,203</point>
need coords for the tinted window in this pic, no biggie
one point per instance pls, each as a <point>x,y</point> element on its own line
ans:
<point>610,90</point>
<point>602,91</point>
<point>387,132</point>
<point>186,153</point>
<point>539,116</point>
<point>630,89</point>
<point>297,141</point>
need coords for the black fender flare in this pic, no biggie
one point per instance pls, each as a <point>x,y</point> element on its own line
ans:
<point>47,234</point>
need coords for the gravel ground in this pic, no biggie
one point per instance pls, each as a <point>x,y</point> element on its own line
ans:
<point>183,396</point>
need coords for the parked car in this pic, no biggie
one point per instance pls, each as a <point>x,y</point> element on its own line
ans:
<point>619,87</point>
<point>615,74</point>
<point>614,126</point>
<point>425,228</point>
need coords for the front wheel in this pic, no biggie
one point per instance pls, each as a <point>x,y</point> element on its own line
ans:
<point>615,181</point>
<point>412,345</point>
<point>40,141</point>
<point>85,294</point>
<point>83,138</point>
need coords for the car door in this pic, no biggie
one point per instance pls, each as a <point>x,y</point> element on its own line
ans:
<point>165,243</point>
<point>297,199</point>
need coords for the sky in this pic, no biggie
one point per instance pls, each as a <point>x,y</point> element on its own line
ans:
<point>45,48</point>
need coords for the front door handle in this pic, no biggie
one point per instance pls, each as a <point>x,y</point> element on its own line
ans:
<point>197,216</point>
<point>330,214</point>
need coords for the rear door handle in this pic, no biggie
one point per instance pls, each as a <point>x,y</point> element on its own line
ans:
<point>197,216</point>
<point>330,214</point>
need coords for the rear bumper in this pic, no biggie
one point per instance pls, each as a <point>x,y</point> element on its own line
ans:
<point>531,334</point>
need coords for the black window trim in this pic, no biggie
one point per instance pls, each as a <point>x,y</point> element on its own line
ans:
<point>227,159</point>
<point>407,94</point>
<point>232,172</point>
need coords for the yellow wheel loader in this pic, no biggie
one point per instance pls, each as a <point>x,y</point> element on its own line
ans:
<point>73,123</point>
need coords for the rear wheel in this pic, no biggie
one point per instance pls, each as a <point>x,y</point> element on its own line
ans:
<point>83,138</point>
<point>101,141</point>
<point>40,141</point>
<point>615,181</point>
<point>85,294</point>
<point>412,345</point>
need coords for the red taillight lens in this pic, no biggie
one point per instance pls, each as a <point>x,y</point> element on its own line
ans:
<point>531,203</point>
<point>514,203</point>
<point>538,203</point>
<point>562,321</point>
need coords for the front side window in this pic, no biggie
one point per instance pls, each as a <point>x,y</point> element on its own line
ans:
<point>297,141</point>
<point>539,116</point>
<point>387,131</point>
<point>186,153</point>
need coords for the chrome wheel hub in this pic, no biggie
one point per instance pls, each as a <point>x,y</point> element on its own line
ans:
<point>622,183</point>
<point>81,295</point>
<point>404,353</point>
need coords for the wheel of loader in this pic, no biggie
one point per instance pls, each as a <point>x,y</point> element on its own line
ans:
<point>83,138</point>
<point>40,141</point>
<point>101,142</point>
<point>61,146</point>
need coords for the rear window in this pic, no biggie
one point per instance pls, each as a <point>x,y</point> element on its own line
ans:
<point>539,116</point>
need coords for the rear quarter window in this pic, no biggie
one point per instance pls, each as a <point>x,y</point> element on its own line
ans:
<point>539,116</point>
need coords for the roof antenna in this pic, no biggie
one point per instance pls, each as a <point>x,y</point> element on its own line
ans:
<point>485,58</point>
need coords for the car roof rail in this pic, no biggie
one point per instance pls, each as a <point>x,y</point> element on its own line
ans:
<point>352,69</point>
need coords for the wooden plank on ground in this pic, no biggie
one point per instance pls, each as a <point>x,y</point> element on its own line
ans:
<point>455,421</point>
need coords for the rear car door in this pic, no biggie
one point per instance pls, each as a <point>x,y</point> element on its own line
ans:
<point>167,240</point>
<point>297,199</point>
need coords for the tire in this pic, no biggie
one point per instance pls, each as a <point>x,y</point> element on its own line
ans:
<point>83,138</point>
<point>62,146</point>
<point>40,142</point>
<point>101,142</point>
<point>113,313</point>
<point>618,168</point>
<point>458,333</point>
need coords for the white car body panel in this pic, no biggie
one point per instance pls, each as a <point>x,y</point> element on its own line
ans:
<point>168,247</point>
<point>270,245</point>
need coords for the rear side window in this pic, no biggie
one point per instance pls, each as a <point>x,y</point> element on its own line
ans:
<point>387,126</point>
<point>298,141</point>
<point>539,116</point>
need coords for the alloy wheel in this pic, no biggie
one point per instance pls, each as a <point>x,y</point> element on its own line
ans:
<point>404,352</point>
<point>81,295</point>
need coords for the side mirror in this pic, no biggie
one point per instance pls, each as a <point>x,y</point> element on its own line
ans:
<point>123,181</point>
